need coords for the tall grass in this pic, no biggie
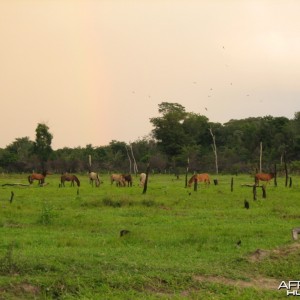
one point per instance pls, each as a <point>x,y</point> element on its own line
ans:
<point>58,244</point>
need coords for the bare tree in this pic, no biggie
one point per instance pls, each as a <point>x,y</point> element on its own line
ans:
<point>214,149</point>
<point>128,159</point>
<point>135,168</point>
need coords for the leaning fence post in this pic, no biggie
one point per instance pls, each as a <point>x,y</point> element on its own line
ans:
<point>11,197</point>
<point>146,181</point>
<point>264,194</point>
<point>254,192</point>
<point>195,184</point>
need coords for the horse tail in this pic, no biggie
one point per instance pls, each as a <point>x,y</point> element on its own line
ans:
<point>29,179</point>
<point>77,180</point>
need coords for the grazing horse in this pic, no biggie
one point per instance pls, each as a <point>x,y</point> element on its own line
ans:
<point>37,176</point>
<point>93,176</point>
<point>200,178</point>
<point>142,179</point>
<point>128,179</point>
<point>263,177</point>
<point>68,177</point>
<point>118,178</point>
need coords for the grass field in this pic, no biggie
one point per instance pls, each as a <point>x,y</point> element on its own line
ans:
<point>65,243</point>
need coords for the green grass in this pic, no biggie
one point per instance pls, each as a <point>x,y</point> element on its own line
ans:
<point>57,243</point>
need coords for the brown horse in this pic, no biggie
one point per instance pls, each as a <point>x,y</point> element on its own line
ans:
<point>118,178</point>
<point>37,176</point>
<point>68,177</point>
<point>200,178</point>
<point>263,177</point>
<point>128,179</point>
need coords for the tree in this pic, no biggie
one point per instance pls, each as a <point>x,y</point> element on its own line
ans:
<point>168,129</point>
<point>42,145</point>
<point>21,148</point>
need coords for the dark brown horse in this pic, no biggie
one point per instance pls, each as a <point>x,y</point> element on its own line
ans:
<point>263,177</point>
<point>37,176</point>
<point>69,177</point>
<point>128,179</point>
<point>200,178</point>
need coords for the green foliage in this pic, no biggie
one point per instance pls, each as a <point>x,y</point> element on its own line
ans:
<point>176,136</point>
<point>42,144</point>
<point>47,214</point>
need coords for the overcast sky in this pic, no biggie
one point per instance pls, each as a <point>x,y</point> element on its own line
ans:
<point>95,71</point>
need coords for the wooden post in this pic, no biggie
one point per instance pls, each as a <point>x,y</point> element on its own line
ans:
<point>195,184</point>
<point>232,184</point>
<point>11,197</point>
<point>264,195</point>
<point>254,192</point>
<point>291,182</point>
<point>146,181</point>
<point>186,172</point>
<point>275,175</point>
<point>286,170</point>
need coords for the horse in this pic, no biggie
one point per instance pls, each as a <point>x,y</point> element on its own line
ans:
<point>142,179</point>
<point>93,176</point>
<point>128,179</point>
<point>200,178</point>
<point>263,177</point>
<point>118,178</point>
<point>37,176</point>
<point>68,177</point>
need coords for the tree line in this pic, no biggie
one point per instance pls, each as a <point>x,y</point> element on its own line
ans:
<point>179,139</point>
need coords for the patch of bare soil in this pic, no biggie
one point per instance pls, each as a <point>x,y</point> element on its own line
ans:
<point>258,283</point>
<point>260,254</point>
<point>22,289</point>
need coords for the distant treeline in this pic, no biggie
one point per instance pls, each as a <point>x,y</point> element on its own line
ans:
<point>179,139</point>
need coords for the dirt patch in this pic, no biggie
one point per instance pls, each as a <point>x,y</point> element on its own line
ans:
<point>258,283</point>
<point>29,289</point>
<point>22,289</point>
<point>260,254</point>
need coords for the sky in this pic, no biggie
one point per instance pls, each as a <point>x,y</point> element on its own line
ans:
<point>95,70</point>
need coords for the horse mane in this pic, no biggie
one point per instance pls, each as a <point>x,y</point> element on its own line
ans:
<point>192,178</point>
